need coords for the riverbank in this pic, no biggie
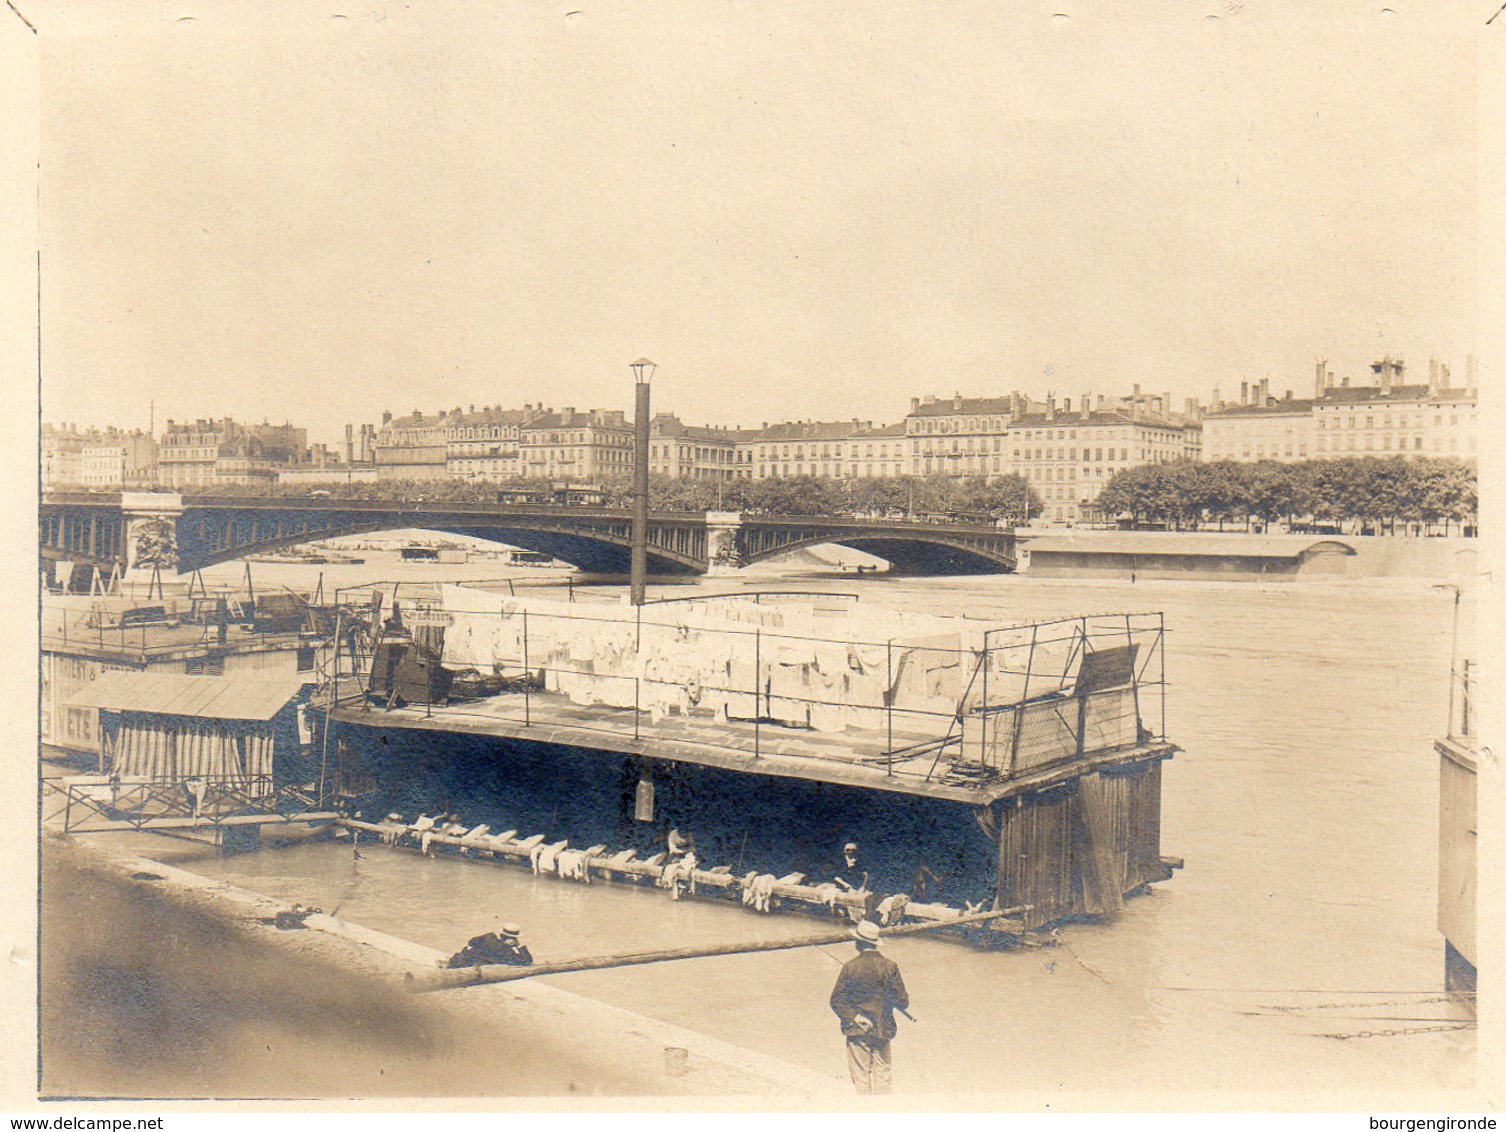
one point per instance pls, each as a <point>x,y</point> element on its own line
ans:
<point>159,981</point>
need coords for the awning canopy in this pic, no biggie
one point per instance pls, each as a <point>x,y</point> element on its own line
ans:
<point>207,697</point>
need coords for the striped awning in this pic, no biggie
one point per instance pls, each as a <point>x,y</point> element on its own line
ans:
<point>207,697</point>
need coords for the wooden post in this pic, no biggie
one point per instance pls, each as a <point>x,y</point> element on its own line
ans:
<point>1019,711</point>
<point>757,684</point>
<point>889,707</point>
<point>1002,822</point>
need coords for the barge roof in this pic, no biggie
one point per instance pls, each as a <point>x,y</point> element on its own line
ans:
<point>856,759</point>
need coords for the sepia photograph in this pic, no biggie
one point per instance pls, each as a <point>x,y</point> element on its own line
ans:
<point>773,557</point>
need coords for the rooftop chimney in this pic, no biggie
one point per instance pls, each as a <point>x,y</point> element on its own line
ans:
<point>1087,406</point>
<point>386,418</point>
<point>914,405</point>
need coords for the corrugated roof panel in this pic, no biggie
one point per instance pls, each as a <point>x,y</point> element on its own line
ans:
<point>206,697</point>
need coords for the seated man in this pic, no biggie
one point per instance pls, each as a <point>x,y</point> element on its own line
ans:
<point>680,844</point>
<point>850,875</point>
<point>503,946</point>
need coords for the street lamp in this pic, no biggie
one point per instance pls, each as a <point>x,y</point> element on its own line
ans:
<point>643,373</point>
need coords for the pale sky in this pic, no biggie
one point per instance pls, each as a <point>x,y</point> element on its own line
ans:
<point>796,209</point>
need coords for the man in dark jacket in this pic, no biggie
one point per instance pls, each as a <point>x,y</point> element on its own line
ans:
<point>868,992</point>
<point>502,946</point>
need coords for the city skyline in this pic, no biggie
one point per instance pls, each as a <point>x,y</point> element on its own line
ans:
<point>1229,394</point>
<point>805,211</point>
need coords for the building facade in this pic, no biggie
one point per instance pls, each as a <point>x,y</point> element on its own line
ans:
<point>1277,430</point>
<point>1385,417</point>
<point>412,447</point>
<point>830,449</point>
<point>1391,418</point>
<point>1068,456</point>
<point>204,453</point>
<point>485,445</point>
<point>576,447</point>
<point>690,451</point>
<point>961,436</point>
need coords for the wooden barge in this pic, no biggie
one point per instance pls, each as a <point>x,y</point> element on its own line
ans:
<point>976,765</point>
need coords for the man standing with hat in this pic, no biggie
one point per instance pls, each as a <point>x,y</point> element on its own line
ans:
<point>868,992</point>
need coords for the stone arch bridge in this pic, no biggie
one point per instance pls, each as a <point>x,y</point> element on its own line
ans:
<point>185,534</point>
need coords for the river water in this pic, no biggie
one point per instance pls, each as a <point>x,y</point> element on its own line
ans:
<point>1304,804</point>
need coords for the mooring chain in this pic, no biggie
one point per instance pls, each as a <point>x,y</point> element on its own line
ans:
<point>1289,1008</point>
<point>1409,1030</point>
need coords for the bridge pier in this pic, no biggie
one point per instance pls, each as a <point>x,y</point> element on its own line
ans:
<point>151,530</point>
<point>724,554</point>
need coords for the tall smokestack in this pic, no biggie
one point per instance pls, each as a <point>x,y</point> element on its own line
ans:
<point>1244,392</point>
<point>350,443</point>
<point>1319,378</point>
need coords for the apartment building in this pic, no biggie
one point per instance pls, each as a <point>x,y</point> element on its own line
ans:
<point>1391,417</point>
<point>833,449</point>
<point>961,436</point>
<point>485,444</point>
<point>413,447</point>
<point>690,451</point>
<point>576,446</point>
<point>1067,456</point>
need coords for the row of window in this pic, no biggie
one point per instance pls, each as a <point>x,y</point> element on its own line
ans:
<point>958,424</point>
<point>1418,421</point>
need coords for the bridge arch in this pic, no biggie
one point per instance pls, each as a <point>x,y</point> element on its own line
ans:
<point>600,550</point>
<point>916,554</point>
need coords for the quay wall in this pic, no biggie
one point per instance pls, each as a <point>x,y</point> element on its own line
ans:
<point>1191,555</point>
<point>157,982</point>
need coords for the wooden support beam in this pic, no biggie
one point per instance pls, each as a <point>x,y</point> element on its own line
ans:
<point>497,973</point>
